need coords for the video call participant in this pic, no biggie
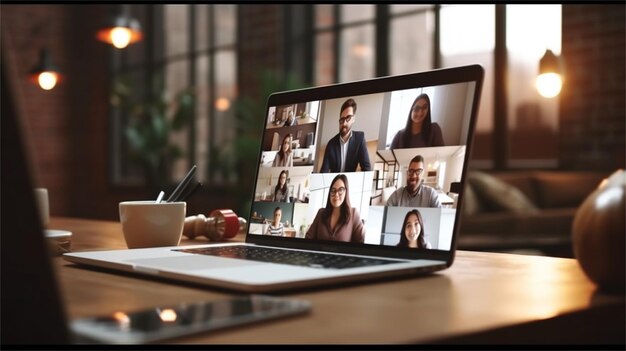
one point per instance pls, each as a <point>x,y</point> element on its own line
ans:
<point>338,221</point>
<point>419,130</point>
<point>412,233</point>
<point>291,120</point>
<point>284,156</point>
<point>281,193</point>
<point>415,194</point>
<point>276,227</point>
<point>347,149</point>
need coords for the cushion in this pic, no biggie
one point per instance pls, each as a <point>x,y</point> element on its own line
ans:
<point>566,189</point>
<point>522,180</point>
<point>499,195</point>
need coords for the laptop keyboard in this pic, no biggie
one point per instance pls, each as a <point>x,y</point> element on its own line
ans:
<point>292,257</point>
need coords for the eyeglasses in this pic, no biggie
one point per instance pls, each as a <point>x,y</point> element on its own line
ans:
<point>413,172</point>
<point>339,191</point>
<point>346,119</point>
<point>420,107</point>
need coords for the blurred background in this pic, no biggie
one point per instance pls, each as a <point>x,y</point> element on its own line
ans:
<point>127,117</point>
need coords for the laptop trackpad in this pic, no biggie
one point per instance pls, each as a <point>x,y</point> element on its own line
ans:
<point>191,262</point>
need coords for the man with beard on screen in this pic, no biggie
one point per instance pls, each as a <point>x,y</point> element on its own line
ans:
<point>347,149</point>
<point>415,194</point>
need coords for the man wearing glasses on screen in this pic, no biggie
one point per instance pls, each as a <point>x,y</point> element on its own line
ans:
<point>415,194</point>
<point>347,149</point>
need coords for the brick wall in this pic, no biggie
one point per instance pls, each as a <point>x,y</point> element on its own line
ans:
<point>46,123</point>
<point>592,106</point>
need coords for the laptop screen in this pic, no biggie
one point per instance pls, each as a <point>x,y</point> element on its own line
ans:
<point>370,164</point>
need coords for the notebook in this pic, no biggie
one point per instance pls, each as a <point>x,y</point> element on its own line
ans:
<point>353,184</point>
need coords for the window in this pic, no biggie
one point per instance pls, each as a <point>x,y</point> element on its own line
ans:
<point>531,116</point>
<point>184,47</point>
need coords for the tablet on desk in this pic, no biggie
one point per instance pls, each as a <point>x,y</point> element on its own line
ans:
<point>167,322</point>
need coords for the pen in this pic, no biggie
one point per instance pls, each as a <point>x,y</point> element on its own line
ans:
<point>182,185</point>
<point>160,197</point>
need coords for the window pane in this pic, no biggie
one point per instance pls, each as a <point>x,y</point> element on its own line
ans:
<point>411,43</point>
<point>201,129</point>
<point>224,113</point>
<point>460,31</point>
<point>353,13</point>
<point>531,116</point>
<point>356,59</point>
<point>175,29</point>
<point>176,80</point>
<point>324,16</point>
<point>467,29</point>
<point>225,17</point>
<point>395,9</point>
<point>202,27</point>
<point>324,59</point>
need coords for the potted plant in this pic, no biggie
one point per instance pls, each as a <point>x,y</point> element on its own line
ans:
<point>151,120</point>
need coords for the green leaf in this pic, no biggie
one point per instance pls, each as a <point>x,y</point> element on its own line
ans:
<point>185,107</point>
<point>134,138</point>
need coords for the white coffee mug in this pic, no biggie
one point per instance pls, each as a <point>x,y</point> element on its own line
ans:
<point>43,207</point>
<point>148,224</point>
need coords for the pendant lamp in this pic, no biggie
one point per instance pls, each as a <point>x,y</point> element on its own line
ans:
<point>549,81</point>
<point>45,73</point>
<point>120,31</point>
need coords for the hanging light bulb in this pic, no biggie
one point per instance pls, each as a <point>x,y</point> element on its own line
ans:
<point>45,74</point>
<point>549,81</point>
<point>121,30</point>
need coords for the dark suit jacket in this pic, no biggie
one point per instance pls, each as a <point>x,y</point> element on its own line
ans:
<point>357,154</point>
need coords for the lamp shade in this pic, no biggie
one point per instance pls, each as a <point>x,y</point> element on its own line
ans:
<point>549,63</point>
<point>549,80</point>
<point>45,73</point>
<point>120,31</point>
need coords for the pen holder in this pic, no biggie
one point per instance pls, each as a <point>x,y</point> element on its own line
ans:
<point>219,225</point>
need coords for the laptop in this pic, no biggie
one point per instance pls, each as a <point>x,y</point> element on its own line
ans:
<point>334,199</point>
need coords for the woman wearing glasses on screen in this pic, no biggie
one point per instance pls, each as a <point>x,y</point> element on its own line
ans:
<point>281,192</point>
<point>419,131</point>
<point>337,221</point>
<point>284,156</point>
<point>412,234</point>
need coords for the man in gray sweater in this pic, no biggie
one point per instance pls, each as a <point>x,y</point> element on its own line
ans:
<point>415,194</point>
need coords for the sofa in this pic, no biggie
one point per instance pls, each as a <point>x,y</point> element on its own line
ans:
<point>523,211</point>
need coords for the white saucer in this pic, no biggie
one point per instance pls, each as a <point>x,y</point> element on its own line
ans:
<point>57,233</point>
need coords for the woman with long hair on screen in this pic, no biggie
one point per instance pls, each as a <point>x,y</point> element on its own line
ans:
<point>338,221</point>
<point>412,233</point>
<point>419,131</point>
<point>284,156</point>
<point>281,193</point>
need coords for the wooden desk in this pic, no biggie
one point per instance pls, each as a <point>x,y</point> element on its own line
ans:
<point>482,298</point>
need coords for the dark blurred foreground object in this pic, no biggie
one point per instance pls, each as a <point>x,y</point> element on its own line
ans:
<point>599,234</point>
<point>220,225</point>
